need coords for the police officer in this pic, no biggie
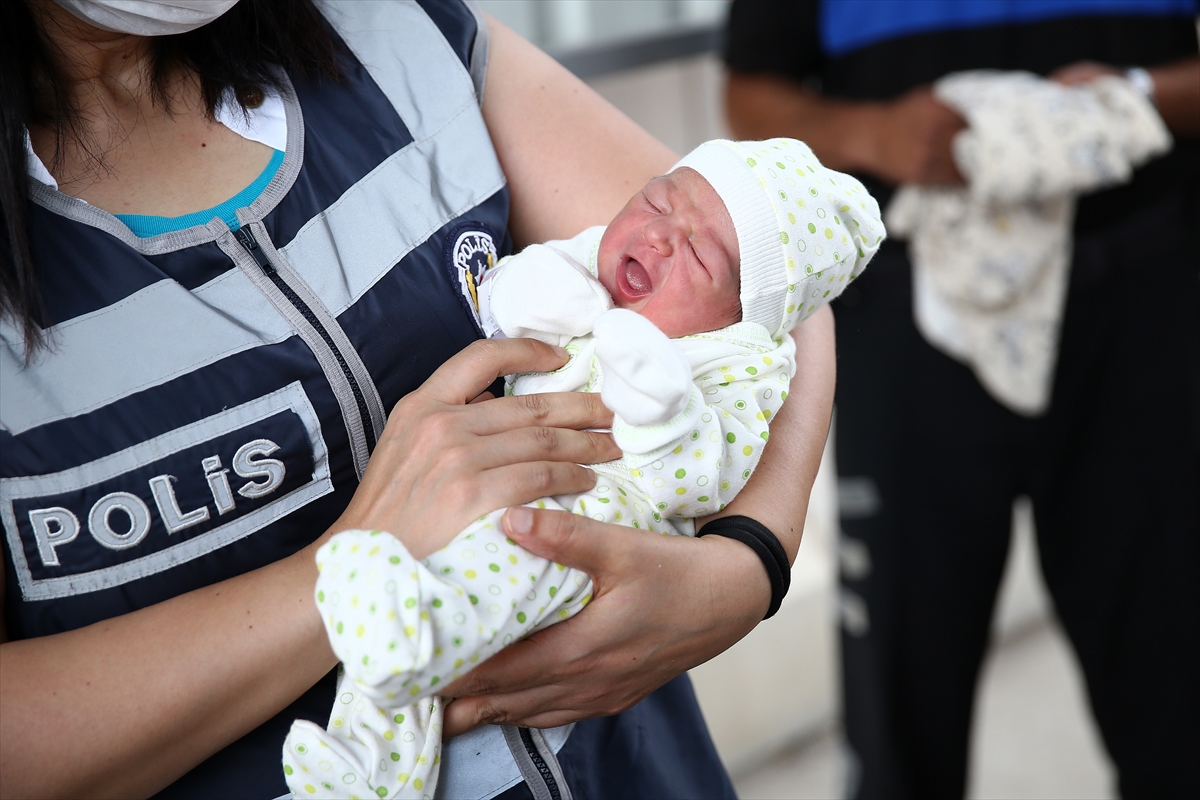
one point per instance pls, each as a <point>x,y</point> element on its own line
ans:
<point>190,405</point>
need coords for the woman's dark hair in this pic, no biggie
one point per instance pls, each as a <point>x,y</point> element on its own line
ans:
<point>242,50</point>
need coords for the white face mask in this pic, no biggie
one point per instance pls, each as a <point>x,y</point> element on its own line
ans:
<point>147,17</point>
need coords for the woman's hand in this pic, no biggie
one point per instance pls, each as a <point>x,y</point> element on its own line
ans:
<point>661,605</point>
<point>213,664</point>
<point>444,460</point>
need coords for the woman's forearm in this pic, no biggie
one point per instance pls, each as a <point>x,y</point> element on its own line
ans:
<point>572,160</point>
<point>662,604</point>
<point>125,706</point>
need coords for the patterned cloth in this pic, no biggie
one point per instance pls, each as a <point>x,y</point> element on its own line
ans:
<point>691,461</point>
<point>403,627</point>
<point>991,260</point>
<point>795,218</point>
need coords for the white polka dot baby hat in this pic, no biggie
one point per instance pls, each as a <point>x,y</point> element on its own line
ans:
<point>804,231</point>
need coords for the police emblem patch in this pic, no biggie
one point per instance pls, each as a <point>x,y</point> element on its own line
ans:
<point>470,252</point>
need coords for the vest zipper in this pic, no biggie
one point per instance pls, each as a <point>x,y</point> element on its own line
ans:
<point>364,426</point>
<point>537,762</point>
<point>540,764</point>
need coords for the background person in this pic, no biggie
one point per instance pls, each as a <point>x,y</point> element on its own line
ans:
<point>1113,489</point>
<point>189,412</point>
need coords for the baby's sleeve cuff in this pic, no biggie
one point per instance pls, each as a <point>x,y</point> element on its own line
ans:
<point>643,440</point>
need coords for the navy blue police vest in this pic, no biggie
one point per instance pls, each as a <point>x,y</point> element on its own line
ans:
<point>211,397</point>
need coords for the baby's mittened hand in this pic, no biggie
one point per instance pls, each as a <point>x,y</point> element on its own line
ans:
<point>647,379</point>
<point>543,294</point>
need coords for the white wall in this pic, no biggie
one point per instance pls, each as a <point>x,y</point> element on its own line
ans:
<point>558,25</point>
<point>677,101</point>
<point>779,684</point>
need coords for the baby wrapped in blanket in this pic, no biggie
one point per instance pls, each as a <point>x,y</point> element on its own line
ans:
<point>678,313</point>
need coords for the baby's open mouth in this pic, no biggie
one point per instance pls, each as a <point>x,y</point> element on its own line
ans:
<point>636,279</point>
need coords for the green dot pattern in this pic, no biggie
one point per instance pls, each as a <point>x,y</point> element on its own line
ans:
<point>826,220</point>
<point>403,627</point>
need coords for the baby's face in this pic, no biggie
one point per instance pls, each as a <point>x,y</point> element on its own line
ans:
<point>671,255</point>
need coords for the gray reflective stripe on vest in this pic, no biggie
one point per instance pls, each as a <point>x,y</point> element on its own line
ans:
<point>538,763</point>
<point>221,318</point>
<point>325,357</point>
<point>290,397</point>
<point>398,44</point>
<point>449,168</point>
<point>389,212</point>
<point>479,50</point>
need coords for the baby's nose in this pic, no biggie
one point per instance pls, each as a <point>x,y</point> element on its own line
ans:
<point>662,236</point>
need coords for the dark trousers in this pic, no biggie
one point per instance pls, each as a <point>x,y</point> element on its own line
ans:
<point>933,465</point>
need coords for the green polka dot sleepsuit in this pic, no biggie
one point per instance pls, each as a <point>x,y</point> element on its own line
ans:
<point>403,627</point>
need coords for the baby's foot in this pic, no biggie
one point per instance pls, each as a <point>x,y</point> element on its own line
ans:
<point>393,754</point>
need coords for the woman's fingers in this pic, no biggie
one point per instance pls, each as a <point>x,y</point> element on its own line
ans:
<point>597,548</point>
<point>592,665</point>
<point>543,444</point>
<point>482,398</point>
<point>630,639</point>
<point>474,368</point>
<point>577,541</point>
<point>577,410</point>
<point>550,677</point>
<point>516,484</point>
<point>546,706</point>
<point>489,692</point>
<point>443,460</point>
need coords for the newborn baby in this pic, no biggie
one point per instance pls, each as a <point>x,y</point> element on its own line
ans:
<point>678,312</point>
